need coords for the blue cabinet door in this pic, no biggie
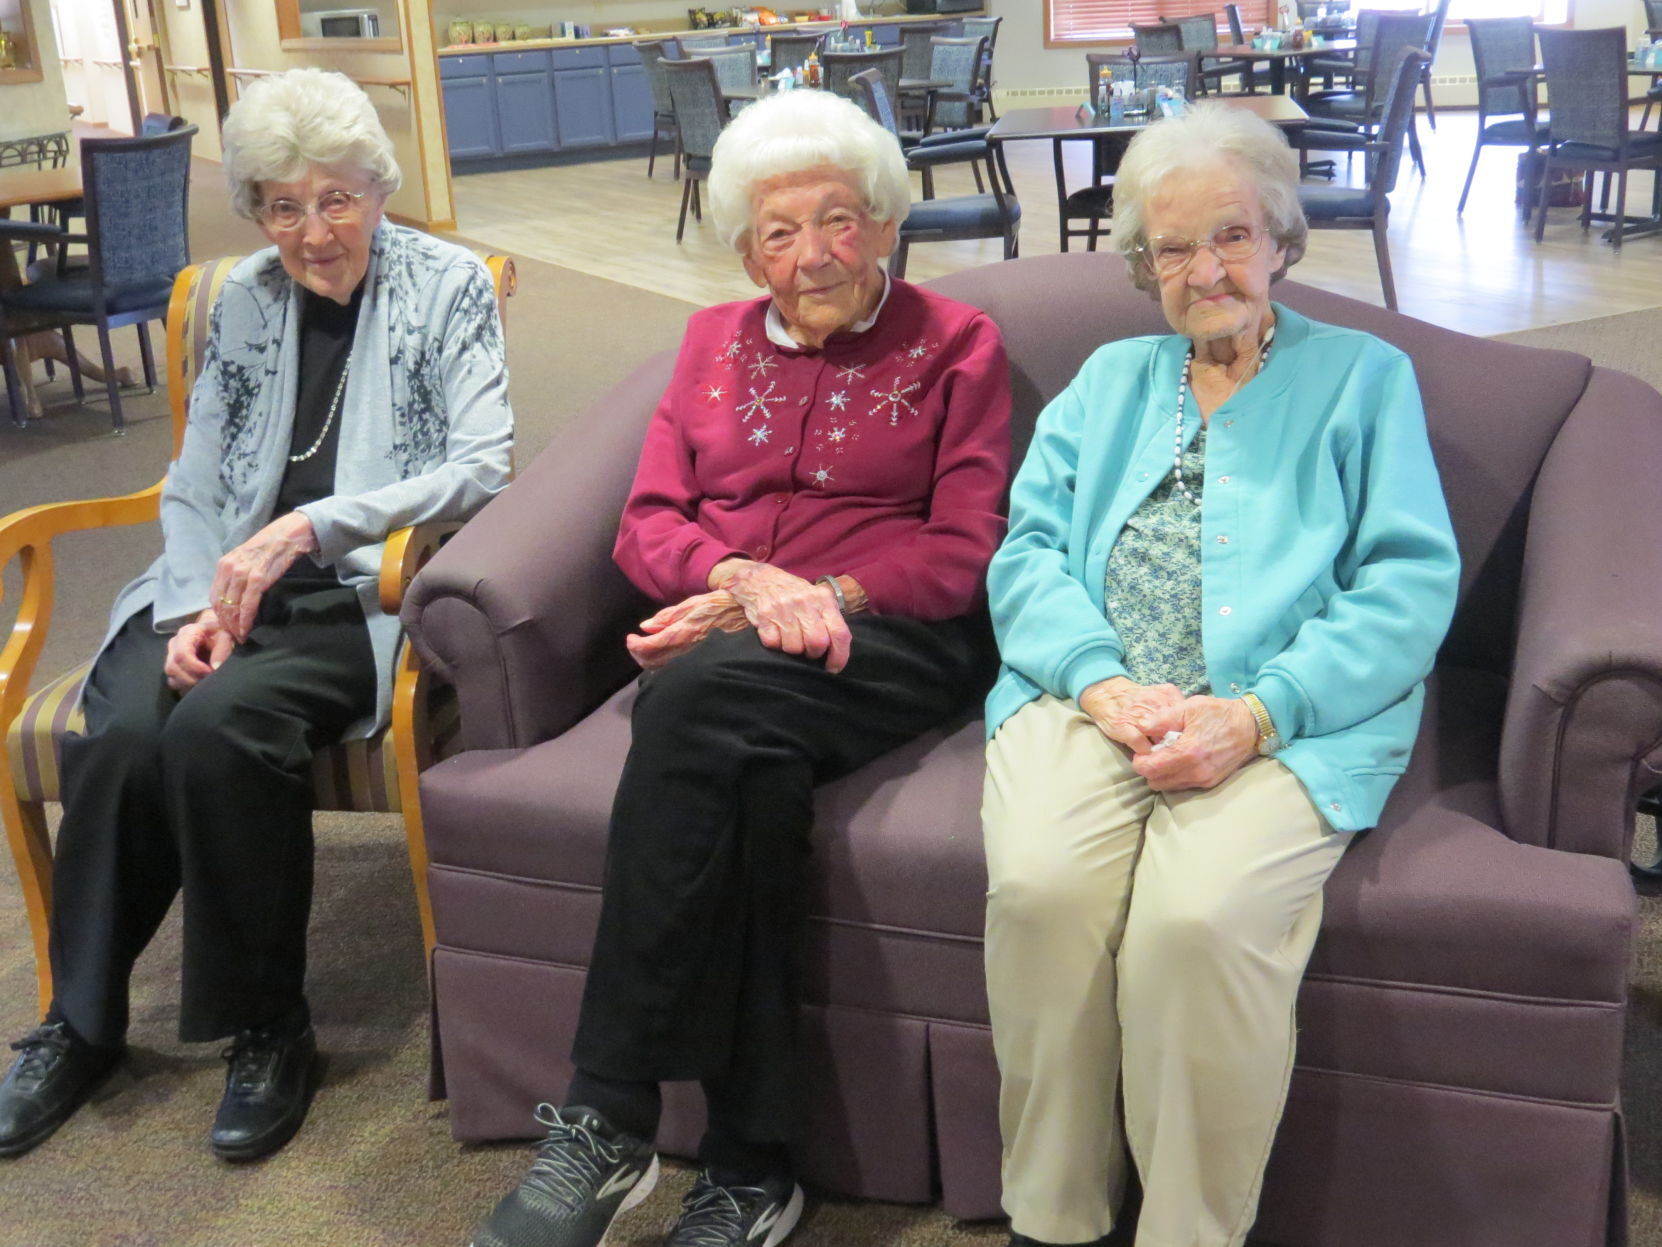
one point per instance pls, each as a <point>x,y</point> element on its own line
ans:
<point>470,117</point>
<point>583,107</point>
<point>631,103</point>
<point>525,112</point>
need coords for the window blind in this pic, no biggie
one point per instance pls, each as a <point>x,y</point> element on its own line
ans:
<point>1097,21</point>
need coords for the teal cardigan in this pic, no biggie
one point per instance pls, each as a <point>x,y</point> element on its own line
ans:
<point>1328,566</point>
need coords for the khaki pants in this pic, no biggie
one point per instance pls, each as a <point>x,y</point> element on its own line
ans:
<point>1159,934</point>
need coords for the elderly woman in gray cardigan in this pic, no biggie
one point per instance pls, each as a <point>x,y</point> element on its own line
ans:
<point>353,384</point>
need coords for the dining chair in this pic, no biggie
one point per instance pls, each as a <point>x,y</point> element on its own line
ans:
<point>1503,51</point>
<point>1369,206</point>
<point>914,42</point>
<point>1434,40</point>
<point>985,28</point>
<point>653,52</point>
<point>840,68</point>
<point>137,240</point>
<point>700,43</point>
<point>1333,66</point>
<point>957,62</point>
<point>1238,36</point>
<point>1156,38</point>
<point>735,66</point>
<point>792,51</point>
<point>1360,111</point>
<point>994,213</point>
<point>376,775</point>
<point>1198,33</point>
<point>701,112</point>
<point>1586,73</point>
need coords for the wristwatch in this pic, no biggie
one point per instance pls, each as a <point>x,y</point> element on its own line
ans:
<point>1269,740</point>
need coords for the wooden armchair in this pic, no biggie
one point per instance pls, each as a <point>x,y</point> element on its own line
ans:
<point>377,775</point>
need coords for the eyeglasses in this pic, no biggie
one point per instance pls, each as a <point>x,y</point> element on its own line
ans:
<point>1169,254</point>
<point>335,207</point>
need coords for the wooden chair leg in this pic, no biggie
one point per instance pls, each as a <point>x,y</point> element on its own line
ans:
<point>1430,107</point>
<point>31,846</point>
<point>146,354</point>
<point>14,386</point>
<point>1382,250</point>
<point>408,733</point>
<point>652,150</point>
<point>73,363</point>
<point>928,182</point>
<point>686,197</point>
<point>897,262</point>
<point>110,384</point>
<point>1467,188</point>
<point>1621,209</point>
<point>980,187</point>
<point>1541,196</point>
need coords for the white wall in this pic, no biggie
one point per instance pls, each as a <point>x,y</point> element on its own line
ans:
<point>31,108</point>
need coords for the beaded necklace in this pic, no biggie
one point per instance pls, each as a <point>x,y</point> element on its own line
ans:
<point>340,389</point>
<point>1263,354</point>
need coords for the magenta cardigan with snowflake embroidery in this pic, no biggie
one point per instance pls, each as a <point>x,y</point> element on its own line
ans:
<point>884,456</point>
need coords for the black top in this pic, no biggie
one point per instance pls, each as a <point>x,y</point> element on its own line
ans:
<point>326,330</point>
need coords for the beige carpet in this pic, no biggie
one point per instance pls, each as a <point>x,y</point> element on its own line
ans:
<point>376,1164</point>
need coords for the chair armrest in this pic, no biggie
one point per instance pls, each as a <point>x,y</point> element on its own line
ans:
<point>523,610</point>
<point>406,553</point>
<point>932,154</point>
<point>36,231</point>
<point>970,134</point>
<point>1583,728</point>
<point>27,536</point>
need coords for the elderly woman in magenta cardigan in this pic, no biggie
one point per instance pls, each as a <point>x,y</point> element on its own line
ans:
<point>353,383</point>
<point>1228,570</point>
<point>816,502</point>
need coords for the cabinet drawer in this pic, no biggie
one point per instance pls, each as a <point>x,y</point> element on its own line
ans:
<point>472,66</point>
<point>580,58</point>
<point>519,62</point>
<point>622,54</point>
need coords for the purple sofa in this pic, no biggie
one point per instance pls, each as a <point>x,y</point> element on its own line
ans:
<point>1461,1025</point>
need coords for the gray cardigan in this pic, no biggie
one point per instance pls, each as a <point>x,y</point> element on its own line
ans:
<point>426,430</point>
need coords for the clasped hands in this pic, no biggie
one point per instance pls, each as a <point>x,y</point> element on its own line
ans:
<point>241,579</point>
<point>1217,735</point>
<point>788,613</point>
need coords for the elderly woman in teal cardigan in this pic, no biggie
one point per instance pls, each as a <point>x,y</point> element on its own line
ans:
<point>1228,570</point>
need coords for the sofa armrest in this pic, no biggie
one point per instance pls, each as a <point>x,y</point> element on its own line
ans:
<point>1583,728</point>
<point>523,610</point>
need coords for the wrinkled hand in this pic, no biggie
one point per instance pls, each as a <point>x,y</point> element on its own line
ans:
<point>676,629</point>
<point>1219,737</point>
<point>1135,715</point>
<point>244,574</point>
<point>788,612</point>
<point>195,652</point>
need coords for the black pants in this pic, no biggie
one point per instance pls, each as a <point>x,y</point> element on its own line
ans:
<point>695,966</point>
<point>208,793</point>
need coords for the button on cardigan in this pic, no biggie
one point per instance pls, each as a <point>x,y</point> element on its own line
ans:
<point>1336,584</point>
<point>883,456</point>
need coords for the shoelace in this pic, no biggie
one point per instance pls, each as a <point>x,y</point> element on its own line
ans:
<point>251,1054</point>
<point>711,1215</point>
<point>571,1160</point>
<point>41,1048</point>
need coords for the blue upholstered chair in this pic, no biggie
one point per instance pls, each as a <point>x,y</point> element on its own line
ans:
<point>652,52</point>
<point>1369,207</point>
<point>137,243</point>
<point>700,114</point>
<point>1507,109</point>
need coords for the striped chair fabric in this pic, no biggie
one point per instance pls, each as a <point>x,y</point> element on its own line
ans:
<point>359,775</point>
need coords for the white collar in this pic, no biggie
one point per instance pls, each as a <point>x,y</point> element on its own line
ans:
<point>780,336</point>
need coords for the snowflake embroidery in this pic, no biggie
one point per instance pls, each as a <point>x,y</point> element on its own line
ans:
<point>837,435</point>
<point>714,393</point>
<point>921,350</point>
<point>821,476</point>
<point>851,373</point>
<point>731,351</point>
<point>839,400</point>
<point>895,400</point>
<point>759,403</point>
<point>759,434</point>
<point>760,365</point>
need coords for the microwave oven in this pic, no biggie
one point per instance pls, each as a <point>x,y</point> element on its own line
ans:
<point>340,24</point>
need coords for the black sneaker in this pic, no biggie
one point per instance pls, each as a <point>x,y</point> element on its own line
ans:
<point>54,1074</point>
<point>268,1088</point>
<point>737,1216</point>
<point>585,1174</point>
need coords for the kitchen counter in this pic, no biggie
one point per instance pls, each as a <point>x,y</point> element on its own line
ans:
<point>528,45</point>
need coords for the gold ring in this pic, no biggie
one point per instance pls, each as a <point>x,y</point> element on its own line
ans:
<point>227,601</point>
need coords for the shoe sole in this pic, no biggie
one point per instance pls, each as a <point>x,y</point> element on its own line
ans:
<point>279,1138</point>
<point>47,1129</point>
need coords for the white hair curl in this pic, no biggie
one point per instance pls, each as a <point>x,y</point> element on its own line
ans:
<point>797,130</point>
<point>1201,137</point>
<point>285,123</point>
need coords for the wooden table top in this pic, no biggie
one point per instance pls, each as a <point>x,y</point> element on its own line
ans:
<point>1064,122</point>
<point>1245,51</point>
<point>33,186</point>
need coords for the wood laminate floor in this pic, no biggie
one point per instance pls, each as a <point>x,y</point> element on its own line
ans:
<point>1482,273</point>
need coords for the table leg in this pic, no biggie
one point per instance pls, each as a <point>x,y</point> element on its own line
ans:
<point>1278,75</point>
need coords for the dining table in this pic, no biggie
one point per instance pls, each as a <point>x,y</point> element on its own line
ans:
<point>18,189</point>
<point>1278,59</point>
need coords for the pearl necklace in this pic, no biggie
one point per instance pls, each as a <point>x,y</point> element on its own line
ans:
<point>1263,354</point>
<point>334,406</point>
